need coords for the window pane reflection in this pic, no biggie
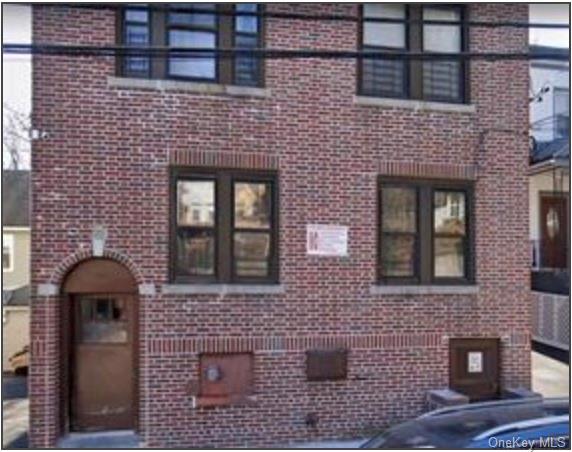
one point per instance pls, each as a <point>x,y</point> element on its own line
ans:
<point>246,24</point>
<point>398,255</point>
<point>449,216</point>
<point>252,205</point>
<point>251,253</point>
<point>449,257</point>
<point>195,253</point>
<point>399,209</point>
<point>103,320</point>
<point>196,203</point>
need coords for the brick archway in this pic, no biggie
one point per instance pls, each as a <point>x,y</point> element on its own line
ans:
<point>69,263</point>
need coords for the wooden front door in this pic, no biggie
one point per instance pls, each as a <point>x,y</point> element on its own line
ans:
<point>474,368</point>
<point>554,230</point>
<point>102,364</point>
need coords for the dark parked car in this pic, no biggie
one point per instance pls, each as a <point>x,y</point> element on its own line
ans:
<point>517,423</point>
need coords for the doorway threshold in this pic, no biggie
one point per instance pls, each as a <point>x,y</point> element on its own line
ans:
<point>111,439</point>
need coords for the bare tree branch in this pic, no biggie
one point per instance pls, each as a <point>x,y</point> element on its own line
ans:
<point>15,136</point>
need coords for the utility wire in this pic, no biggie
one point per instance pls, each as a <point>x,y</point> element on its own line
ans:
<point>266,53</point>
<point>310,17</point>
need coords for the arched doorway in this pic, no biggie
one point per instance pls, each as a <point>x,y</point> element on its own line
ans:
<point>100,346</point>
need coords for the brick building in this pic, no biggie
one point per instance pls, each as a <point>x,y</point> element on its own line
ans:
<point>192,278</point>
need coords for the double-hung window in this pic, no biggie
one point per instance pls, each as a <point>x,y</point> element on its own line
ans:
<point>384,77</point>
<point>193,30</point>
<point>425,234</point>
<point>194,26</point>
<point>136,33</point>
<point>224,227</point>
<point>392,27</point>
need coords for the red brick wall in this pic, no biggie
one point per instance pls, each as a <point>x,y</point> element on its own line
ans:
<point>107,161</point>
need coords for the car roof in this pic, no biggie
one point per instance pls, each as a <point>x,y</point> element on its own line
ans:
<point>455,427</point>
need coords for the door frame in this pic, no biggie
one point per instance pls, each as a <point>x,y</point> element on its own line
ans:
<point>125,285</point>
<point>554,194</point>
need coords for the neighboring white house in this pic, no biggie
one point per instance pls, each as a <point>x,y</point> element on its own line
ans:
<point>549,197</point>
<point>15,263</point>
<point>550,112</point>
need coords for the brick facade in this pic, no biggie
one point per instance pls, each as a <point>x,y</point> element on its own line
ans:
<point>107,161</point>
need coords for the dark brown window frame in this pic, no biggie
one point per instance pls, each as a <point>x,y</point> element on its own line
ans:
<point>159,36</point>
<point>424,247</point>
<point>414,43</point>
<point>224,224</point>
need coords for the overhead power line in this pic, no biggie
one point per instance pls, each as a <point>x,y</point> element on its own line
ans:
<point>314,17</point>
<point>266,53</point>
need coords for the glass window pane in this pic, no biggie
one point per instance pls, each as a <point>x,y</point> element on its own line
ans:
<point>449,257</point>
<point>246,41</point>
<point>252,205</point>
<point>383,77</point>
<point>192,39</point>
<point>199,67</point>
<point>137,64</point>
<point>246,67</point>
<point>449,215</point>
<point>196,203</point>
<point>251,252</point>
<point>118,311</point>
<point>103,320</point>
<point>399,209</point>
<point>195,253</point>
<point>102,309</point>
<point>137,15</point>
<point>203,68</point>
<point>137,34</point>
<point>192,18</point>
<point>442,38</point>
<point>384,34</point>
<point>442,80</point>
<point>86,310</point>
<point>398,255</point>
<point>246,24</point>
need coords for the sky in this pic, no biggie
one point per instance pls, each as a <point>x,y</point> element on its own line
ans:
<point>16,26</point>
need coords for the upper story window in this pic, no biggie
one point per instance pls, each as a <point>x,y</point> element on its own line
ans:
<point>7,252</point>
<point>433,80</point>
<point>136,32</point>
<point>224,227</point>
<point>425,236</point>
<point>561,106</point>
<point>194,25</point>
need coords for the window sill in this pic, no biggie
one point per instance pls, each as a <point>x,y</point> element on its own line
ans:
<point>223,289</point>
<point>416,105</point>
<point>188,86</point>
<point>424,290</point>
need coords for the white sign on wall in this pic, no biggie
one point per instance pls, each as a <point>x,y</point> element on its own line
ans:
<point>326,240</point>
<point>475,362</point>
